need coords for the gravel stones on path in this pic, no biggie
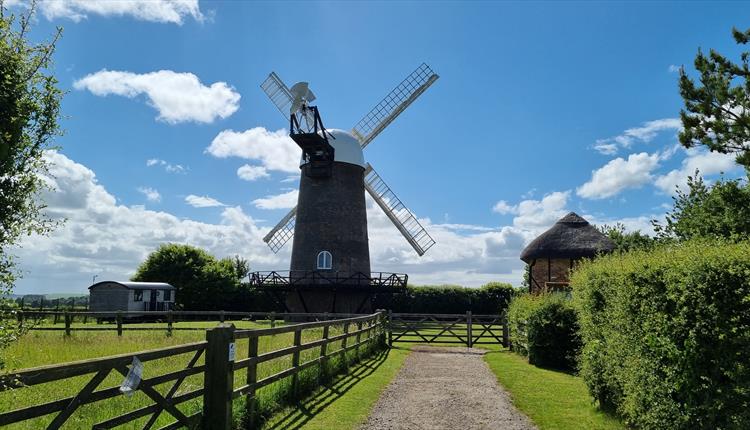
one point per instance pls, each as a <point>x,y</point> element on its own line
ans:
<point>445,388</point>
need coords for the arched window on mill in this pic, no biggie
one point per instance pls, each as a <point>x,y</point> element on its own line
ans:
<point>325,260</point>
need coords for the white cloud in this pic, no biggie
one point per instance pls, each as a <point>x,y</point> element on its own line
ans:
<point>708,163</point>
<point>163,11</point>
<point>251,173</point>
<point>645,133</point>
<point>275,150</point>
<point>179,97</point>
<point>286,200</point>
<point>169,167</point>
<point>108,239</point>
<point>502,207</point>
<point>202,201</point>
<point>618,175</point>
<point>151,194</point>
<point>533,215</point>
<point>673,68</point>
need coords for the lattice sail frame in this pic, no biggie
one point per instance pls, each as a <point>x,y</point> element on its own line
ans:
<point>397,212</point>
<point>369,127</point>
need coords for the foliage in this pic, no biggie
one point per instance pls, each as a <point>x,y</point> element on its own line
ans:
<point>544,327</point>
<point>553,400</point>
<point>202,281</point>
<point>241,267</point>
<point>29,112</point>
<point>717,110</point>
<point>718,211</point>
<point>625,241</point>
<point>667,334</point>
<point>489,299</point>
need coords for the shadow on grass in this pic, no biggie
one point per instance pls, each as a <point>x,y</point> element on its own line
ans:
<point>571,372</point>
<point>307,409</point>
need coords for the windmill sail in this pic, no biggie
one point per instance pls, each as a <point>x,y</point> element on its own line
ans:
<point>277,91</point>
<point>393,104</point>
<point>284,230</point>
<point>397,212</point>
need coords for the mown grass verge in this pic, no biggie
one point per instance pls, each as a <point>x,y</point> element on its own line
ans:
<point>347,400</point>
<point>552,399</point>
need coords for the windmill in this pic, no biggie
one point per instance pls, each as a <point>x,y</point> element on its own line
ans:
<point>330,262</point>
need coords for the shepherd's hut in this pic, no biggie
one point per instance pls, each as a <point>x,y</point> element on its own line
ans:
<point>552,255</point>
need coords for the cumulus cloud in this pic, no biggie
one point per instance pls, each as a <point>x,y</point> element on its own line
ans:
<point>645,133</point>
<point>178,97</point>
<point>105,238</point>
<point>286,200</point>
<point>251,173</point>
<point>707,163</point>
<point>275,150</point>
<point>202,201</point>
<point>618,175</point>
<point>162,11</point>
<point>169,167</point>
<point>502,207</point>
<point>151,194</point>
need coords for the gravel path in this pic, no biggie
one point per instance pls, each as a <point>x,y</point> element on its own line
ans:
<point>445,388</point>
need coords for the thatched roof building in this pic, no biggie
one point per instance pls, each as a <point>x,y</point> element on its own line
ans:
<point>552,254</point>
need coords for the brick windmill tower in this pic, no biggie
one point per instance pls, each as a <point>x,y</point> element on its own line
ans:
<point>330,265</point>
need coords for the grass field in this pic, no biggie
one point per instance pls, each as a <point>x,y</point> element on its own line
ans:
<point>553,400</point>
<point>346,402</point>
<point>50,347</point>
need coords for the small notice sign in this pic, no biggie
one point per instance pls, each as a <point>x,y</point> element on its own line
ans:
<point>133,379</point>
<point>232,350</point>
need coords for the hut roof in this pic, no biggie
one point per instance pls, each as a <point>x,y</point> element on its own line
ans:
<point>138,285</point>
<point>570,237</point>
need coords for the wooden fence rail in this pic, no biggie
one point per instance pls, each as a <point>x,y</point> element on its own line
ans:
<point>218,369</point>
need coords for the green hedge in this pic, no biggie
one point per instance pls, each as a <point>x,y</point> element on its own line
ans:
<point>490,299</point>
<point>667,334</point>
<point>544,327</point>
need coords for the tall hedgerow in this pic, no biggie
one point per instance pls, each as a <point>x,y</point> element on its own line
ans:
<point>667,334</point>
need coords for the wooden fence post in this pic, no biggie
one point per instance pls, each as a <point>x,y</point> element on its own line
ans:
<point>67,323</point>
<point>252,377</point>
<point>357,339</point>
<point>323,356</point>
<point>295,363</point>
<point>343,345</point>
<point>390,329</point>
<point>272,318</point>
<point>506,330</point>
<point>469,339</point>
<point>119,323</point>
<point>218,379</point>
<point>170,320</point>
<point>221,316</point>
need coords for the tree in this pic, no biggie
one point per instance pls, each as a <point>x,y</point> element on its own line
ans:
<point>718,211</point>
<point>625,241</point>
<point>29,114</point>
<point>241,267</point>
<point>202,282</point>
<point>717,110</point>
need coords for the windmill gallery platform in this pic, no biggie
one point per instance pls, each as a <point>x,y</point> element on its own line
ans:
<point>330,262</point>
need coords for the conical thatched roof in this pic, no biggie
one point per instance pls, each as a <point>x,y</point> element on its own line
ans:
<point>570,237</point>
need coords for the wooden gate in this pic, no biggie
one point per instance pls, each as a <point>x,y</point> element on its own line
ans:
<point>464,329</point>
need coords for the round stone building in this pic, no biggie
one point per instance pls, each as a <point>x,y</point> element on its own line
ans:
<point>551,256</point>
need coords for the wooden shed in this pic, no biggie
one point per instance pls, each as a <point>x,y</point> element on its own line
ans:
<point>109,296</point>
<point>552,255</point>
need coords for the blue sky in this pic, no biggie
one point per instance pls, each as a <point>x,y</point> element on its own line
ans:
<point>540,108</point>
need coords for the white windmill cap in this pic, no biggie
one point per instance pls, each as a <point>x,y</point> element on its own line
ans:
<point>346,148</point>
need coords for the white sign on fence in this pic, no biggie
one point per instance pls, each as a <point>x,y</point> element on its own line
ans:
<point>232,350</point>
<point>133,379</point>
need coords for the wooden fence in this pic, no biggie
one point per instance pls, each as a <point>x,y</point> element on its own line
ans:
<point>218,369</point>
<point>121,321</point>
<point>466,328</point>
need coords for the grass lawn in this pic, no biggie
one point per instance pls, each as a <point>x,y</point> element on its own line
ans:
<point>553,400</point>
<point>346,402</point>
